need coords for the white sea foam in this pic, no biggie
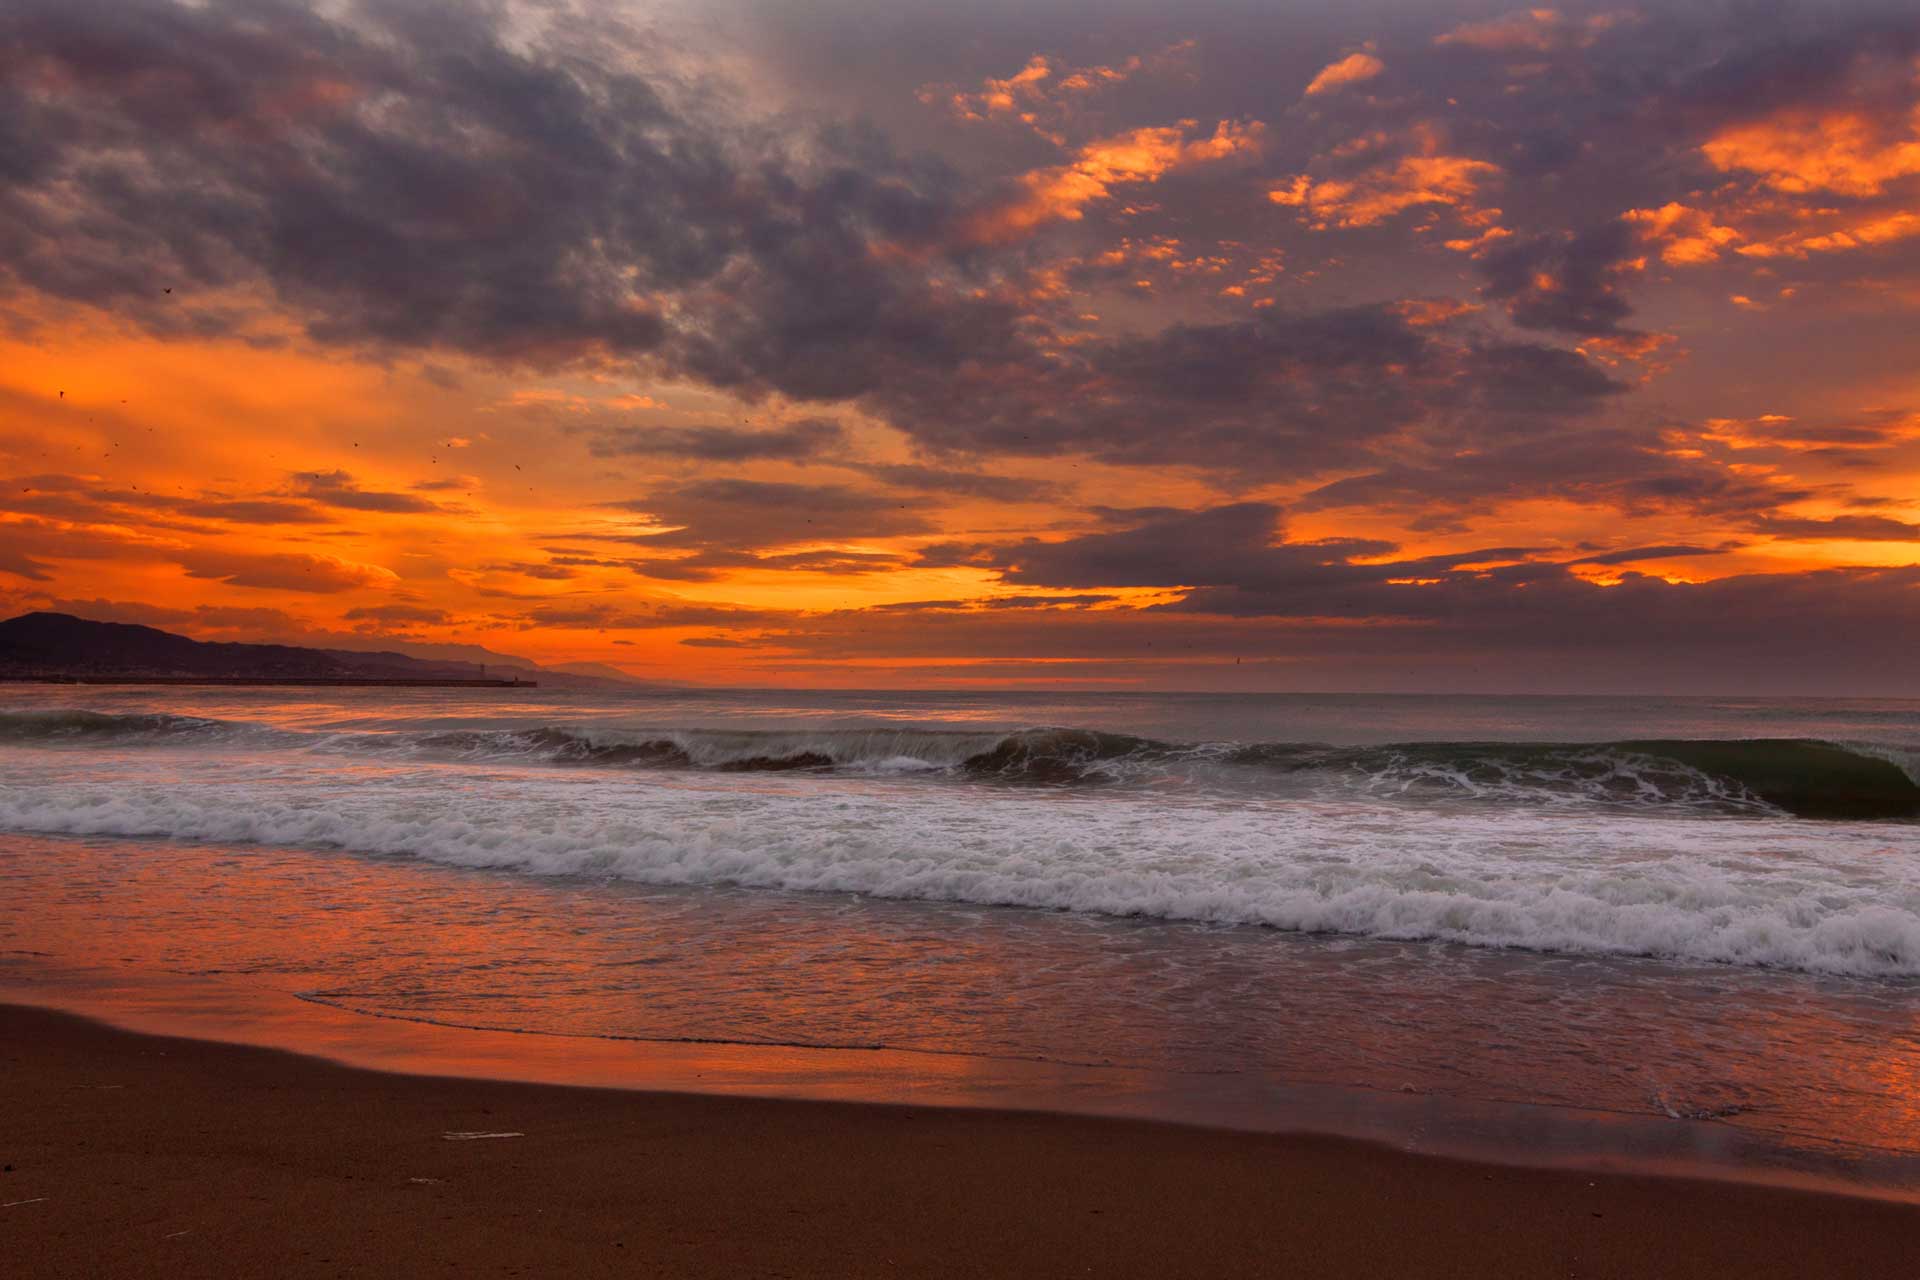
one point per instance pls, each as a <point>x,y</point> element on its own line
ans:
<point>1821,897</point>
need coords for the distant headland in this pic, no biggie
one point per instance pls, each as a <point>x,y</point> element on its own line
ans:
<point>276,682</point>
<point>58,648</point>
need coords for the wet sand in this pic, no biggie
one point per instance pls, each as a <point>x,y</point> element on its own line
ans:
<point>134,1155</point>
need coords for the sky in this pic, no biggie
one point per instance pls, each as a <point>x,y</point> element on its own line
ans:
<point>1224,345</point>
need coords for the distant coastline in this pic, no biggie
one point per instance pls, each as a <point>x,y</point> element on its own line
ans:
<point>58,648</point>
<point>326,682</point>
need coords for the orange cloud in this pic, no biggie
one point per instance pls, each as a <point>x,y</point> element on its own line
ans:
<point>1043,85</point>
<point>1428,177</point>
<point>1801,152</point>
<point>1690,236</point>
<point>1808,181</point>
<point>1642,349</point>
<point>1867,430</point>
<point>1062,193</point>
<point>1427,312</point>
<point>1865,232</point>
<point>1352,69</point>
<point>1478,245</point>
<point>1686,236</point>
<point>994,97</point>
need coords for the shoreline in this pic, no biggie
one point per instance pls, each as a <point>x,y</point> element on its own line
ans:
<point>1517,1136</point>
<point>143,1155</point>
<point>120,930</point>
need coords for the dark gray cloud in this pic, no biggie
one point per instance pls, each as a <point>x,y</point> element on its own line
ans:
<point>1281,394</point>
<point>84,498</point>
<point>279,571</point>
<point>356,168</point>
<point>339,489</point>
<point>735,514</point>
<point>969,484</point>
<point>795,442</point>
<point>235,511</point>
<point>416,176</point>
<point>1568,283</point>
<point>1504,615</point>
<point>16,561</point>
<point>1627,469</point>
<point>552,570</point>
<point>714,562</point>
<point>1634,555</point>
<point>1533,627</point>
<point>1191,549</point>
<point>1749,61</point>
<point>707,565</point>
<point>1873,429</point>
<point>645,616</point>
<point>1235,560</point>
<point>1082,601</point>
<point>714,527</point>
<point>1861,528</point>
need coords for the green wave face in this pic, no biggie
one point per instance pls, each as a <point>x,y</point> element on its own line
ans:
<point>1807,778</point>
<point>1803,777</point>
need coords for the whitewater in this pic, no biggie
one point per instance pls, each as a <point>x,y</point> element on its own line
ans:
<point>1700,849</point>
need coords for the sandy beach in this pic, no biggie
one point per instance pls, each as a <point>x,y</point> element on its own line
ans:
<point>132,1155</point>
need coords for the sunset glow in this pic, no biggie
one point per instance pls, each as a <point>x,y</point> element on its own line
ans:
<point>1566,348</point>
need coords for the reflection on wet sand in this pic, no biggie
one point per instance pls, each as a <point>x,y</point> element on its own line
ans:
<point>398,966</point>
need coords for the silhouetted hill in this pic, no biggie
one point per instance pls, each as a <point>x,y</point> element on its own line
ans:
<point>59,644</point>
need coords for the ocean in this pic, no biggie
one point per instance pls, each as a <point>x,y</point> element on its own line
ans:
<point>1600,926</point>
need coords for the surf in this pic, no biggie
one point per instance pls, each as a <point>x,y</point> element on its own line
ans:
<point>1732,890</point>
<point>1798,777</point>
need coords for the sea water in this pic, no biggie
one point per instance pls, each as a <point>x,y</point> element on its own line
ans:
<point>1689,911</point>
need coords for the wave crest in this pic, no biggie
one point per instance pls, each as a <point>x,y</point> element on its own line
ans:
<point>1600,886</point>
<point>1802,777</point>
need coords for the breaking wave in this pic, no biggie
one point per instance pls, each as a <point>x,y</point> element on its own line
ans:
<point>1739,891</point>
<point>1800,777</point>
